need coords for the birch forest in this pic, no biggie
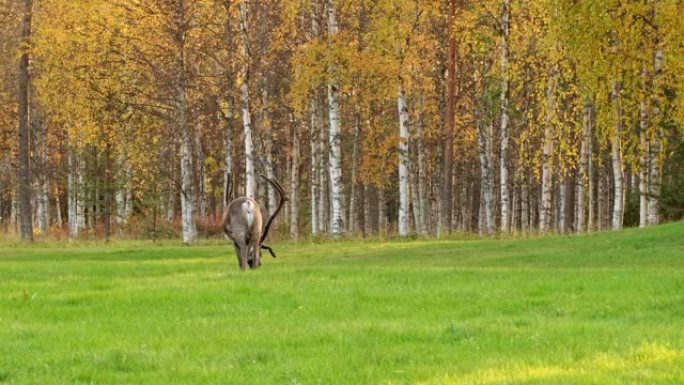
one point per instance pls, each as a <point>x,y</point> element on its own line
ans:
<point>129,118</point>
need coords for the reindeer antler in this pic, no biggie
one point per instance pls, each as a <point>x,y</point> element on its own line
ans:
<point>282,201</point>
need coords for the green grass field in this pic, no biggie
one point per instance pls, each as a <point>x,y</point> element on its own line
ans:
<point>593,309</point>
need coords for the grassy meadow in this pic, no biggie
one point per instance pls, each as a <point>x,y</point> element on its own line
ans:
<point>593,309</point>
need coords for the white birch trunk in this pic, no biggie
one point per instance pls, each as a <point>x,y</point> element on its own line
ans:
<point>40,167</point>
<point>42,199</point>
<point>267,129</point>
<point>583,176</point>
<point>80,197</point>
<point>72,193</point>
<point>313,110</point>
<point>335,154</point>
<point>294,183</point>
<point>250,176</point>
<point>188,200</point>
<point>313,187</point>
<point>323,198</point>
<point>481,221</point>
<point>503,153</point>
<point>655,172</point>
<point>123,194</point>
<point>403,163</point>
<point>616,159</point>
<point>547,155</point>
<point>422,175</point>
<point>484,138</point>
<point>188,193</point>
<point>562,207</point>
<point>353,216</point>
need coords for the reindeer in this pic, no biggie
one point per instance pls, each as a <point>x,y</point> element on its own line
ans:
<point>242,223</point>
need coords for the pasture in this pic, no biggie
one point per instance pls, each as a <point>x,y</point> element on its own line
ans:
<point>592,309</point>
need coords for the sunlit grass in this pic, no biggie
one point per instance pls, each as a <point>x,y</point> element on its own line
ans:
<point>593,309</point>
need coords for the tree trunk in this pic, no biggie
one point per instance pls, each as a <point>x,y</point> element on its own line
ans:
<point>616,158</point>
<point>534,199</point>
<point>547,156</point>
<point>294,183</point>
<point>14,210</point>
<point>422,174</point>
<point>40,133</point>
<point>323,198</point>
<point>72,192</point>
<point>503,153</point>
<point>355,160</point>
<point>643,158</point>
<point>655,172</point>
<point>524,204</point>
<point>313,177</point>
<point>449,134</point>
<point>515,201</point>
<point>583,177</point>
<point>121,195</point>
<point>267,129</point>
<point>335,154</point>
<point>484,138</point>
<point>563,205</point>
<point>367,212</point>
<point>58,207</point>
<point>600,198</point>
<point>415,200</point>
<point>188,193</point>
<point>188,196</point>
<point>108,193</point>
<point>466,198</point>
<point>23,159</point>
<point>382,212</point>
<point>202,206</point>
<point>403,163</point>
<point>250,176</point>
<point>228,116</point>
<point>81,195</point>
<point>591,214</point>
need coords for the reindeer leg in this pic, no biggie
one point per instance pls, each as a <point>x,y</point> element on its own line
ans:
<point>270,250</point>
<point>242,257</point>
<point>256,258</point>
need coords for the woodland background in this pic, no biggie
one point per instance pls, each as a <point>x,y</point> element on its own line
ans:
<point>127,117</point>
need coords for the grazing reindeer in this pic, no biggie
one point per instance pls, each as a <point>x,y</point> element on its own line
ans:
<point>242,223</point>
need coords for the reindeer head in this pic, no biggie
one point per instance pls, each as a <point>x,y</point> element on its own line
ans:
<point>242,223</point>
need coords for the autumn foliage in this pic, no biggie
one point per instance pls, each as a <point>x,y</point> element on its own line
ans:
<point>454,116</point>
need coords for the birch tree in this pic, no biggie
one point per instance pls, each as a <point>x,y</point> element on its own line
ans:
<point>334,139</point>
<point>503,132</point>
<point>23,159</point>
<point>250,175</point>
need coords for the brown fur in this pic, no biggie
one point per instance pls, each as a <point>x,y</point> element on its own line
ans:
<point>243,223</point>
